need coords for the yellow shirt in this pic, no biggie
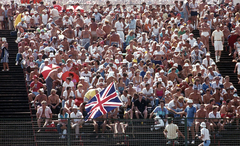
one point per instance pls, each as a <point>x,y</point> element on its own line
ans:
<point>90,93</point>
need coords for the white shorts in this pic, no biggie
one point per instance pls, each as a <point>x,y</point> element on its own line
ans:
<point>218,46</point>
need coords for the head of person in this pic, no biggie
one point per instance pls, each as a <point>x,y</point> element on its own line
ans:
<point>53,92</point>
<point>190,102</point>
<point>215,109</point>
<point>69,89</point>
<point>44,103</point>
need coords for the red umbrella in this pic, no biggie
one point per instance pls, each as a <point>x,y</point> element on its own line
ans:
<point>47,69</point>
<point>58,7</point>
<point>66,74</point>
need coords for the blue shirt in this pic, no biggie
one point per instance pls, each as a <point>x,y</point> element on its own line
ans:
<point>190,112</point>
<point>132,24</point>
<point>39,62</point>
<point>126,81</point>
<point>161,112</point>
<point>205,86</point>
<point>142,73</point>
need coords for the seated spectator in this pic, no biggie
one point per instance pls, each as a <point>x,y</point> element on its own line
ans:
<point>39,98</point>
<point>79,94</point>
<point>53,102</point>
<point>66,94</point>
<point>44,113</point>
<point>63,117</point>
<point>215,122</point>
<point>98,123</point>
<point>227,112</point>
<point>148,94</point>
<point>171,132</point>
<point>69,104</point>
<point>76,120</point>
<point>161,115</point>
<point>35,85</point>
<point>140,105</point>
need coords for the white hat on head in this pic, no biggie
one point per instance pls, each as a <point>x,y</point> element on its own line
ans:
<point>203,124</point>
<point>125,61</point>
<point>95,10</point>
<point>79,61</point>
<point>175,65</point>
<point>41,90</point>
<point>160,79</point>
<point>75,107</point>
<point>51,55</point>
<point>162,71</point>
<point>190,101</point>
<point>207,54</point>
<point>170,83</point>
<point>81,78</point>
<point>197,64</point>
<point>186,65</point>
<point>213,63</point>
<point>167,92</point>
<point>77,25</point>
<point>116,61</point>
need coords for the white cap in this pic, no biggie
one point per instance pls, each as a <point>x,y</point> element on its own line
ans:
<point>41,90</point>
<point>186,65</point>
<point>190,101</point>
<point>82,78</point>
<point>116,61</point>
<point>213,63</point>
<point>207,54</point>
<point>75,107</point>
<point>167,92</point>
<point>197,64</point>
<point>51,55</point>
<point>125,61</point>
<point>203,124</point>
<point>175,65</point>
<point>162,71</point>
<point>95,10</point>
<point>170,83</point>
<point>160,79</point>
<point>79,61</point>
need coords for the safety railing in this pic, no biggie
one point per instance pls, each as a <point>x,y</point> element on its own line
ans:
<point>138,132</point>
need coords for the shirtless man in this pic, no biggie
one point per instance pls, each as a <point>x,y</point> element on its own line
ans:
<point>53,75</point>
<point>73,52</point>
<point>228,111</point>
<point>201,7</point>
<point>130,89</point>
<point>41,8</point>
<point>210,105</point>
<point>53,102</point>
<point>189,90</point>
<point>100,31</point>
<point>235,101</point>
<point>10,14</point>
<point>100,122</point>
<point>227,84</point>
<point>84,83</point>
<point>107,28</point>
<point>39,98</point>
<point>164,78</point>
<point>196,97</point>
<point>228,95</point>
<point>216,96</point>
<point>201,114</point>
<point>60,55</point>
<point>114,38</point>
<point>69,33</point>
<point>173,76</point>
<point>79,21</point>
<point>93,26</point>
<point>207,96</point>
<point>34,72</point>
<point>85,36</point>
<point>54,30</point>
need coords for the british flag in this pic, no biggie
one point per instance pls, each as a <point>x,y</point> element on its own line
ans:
<point>103,102</point>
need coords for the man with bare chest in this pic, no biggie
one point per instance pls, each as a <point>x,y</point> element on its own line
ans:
<point>130,89</point>
<point>41,8</point>
<point>2,17</point>
<point>54,30</point>
<point>107,28</point>
<point>209,107</point>
<point>69,33</point>
<point>79,21</point>
<point>10,14</point>
<point>53,102</point>
<point>53,75</point>
<point>93,26</point>
<point>196,97</point>
<point>201,114</point>
<point>201,7</point>
<point>189,90</point>
<point>228,95</point>
<point>216,96</point>
<point>85,36</point>
<point>60,55</point>
<point>39,98</point>
<point>235,101</point>
<point>114,38</point>
<point>73,52</point>
<point>173,76</point>
<point>207,96</point>
<point>65,44</point>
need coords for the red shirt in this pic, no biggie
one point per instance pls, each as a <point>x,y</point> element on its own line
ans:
<point>39,85</point>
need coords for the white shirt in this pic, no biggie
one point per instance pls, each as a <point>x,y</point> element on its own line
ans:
<point>44,18</point>
<point>65,96</point>
<point>147,92</point>
<point>65,84</point>
<point>171,131</point>
<point>206,62</point>
<point>77,115</point>
<point>124,98</point>
<point>86,75</point>
<point>67,102</point>
<point>119,26</point>
<point>87,21</point>
<point>52,61</point>
<point>217,35</point>
<point>192,41</point>
<point>205,133</point>
<point>171,104</point>
<point>211,115</point>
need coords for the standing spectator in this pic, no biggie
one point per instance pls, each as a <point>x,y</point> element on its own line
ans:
<point>218,42</point>
<point>5,54</point>
<point>205,136</point>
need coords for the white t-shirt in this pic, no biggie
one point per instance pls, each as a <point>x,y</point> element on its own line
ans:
<point>205,132</point>
<point>171,104</point>
<point>65,84</point>
<point>238,67</point>
<point>211,115</point>
<point>86,75</point>
<point>67,102</point>
<point>65,97</point>
<point>171,131</point>
<point>124,98</point>
<point>119,26</point>
<point>44,18</point>
<point>77,115</point>
<point>217,35</point>
<point>149,92</point>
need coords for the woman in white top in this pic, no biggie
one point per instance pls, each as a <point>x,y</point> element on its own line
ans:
<point>79,94</point>
<point>194,12</point>
<point>69,104</point>
<point>204,135</point>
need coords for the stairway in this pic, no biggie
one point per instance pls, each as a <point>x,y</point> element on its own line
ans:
<point>225,66</point>
<point>15,121</point>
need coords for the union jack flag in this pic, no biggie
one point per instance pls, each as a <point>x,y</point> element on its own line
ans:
<point>103,102</point>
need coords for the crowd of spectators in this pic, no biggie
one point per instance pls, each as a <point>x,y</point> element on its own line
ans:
<point>150,52</point>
